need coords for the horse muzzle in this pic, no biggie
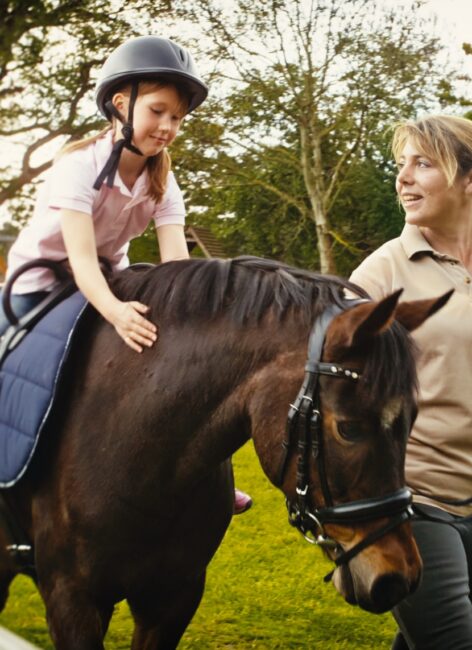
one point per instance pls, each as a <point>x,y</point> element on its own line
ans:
<point>382,576</point>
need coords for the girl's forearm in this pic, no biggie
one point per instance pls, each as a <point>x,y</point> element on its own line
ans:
<point>93,285</point>
<point>79,239</point>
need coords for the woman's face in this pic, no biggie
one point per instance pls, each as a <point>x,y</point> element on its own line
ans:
<point>424,192</point>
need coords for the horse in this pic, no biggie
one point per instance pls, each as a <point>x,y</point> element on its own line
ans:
<point>131,489</point>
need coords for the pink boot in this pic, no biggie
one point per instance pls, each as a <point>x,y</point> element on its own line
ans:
<point>242,502</point>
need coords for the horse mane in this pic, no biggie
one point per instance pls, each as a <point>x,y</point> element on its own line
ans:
<point>390,367</point>
<point>246,288</point>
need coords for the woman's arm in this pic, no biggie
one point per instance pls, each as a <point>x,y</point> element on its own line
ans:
<point>126,318</point>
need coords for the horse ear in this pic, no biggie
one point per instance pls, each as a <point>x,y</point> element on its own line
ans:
<point>376,317</point>
<point>412,314</point>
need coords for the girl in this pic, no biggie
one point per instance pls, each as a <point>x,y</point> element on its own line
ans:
<point>103,191</point>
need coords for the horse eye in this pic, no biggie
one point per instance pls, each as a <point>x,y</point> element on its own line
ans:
<point>351,431</point>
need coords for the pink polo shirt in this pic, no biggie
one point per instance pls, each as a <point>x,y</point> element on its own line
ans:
<point>118,214</point>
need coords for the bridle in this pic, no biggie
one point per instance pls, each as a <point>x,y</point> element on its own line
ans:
<point>305,432</point>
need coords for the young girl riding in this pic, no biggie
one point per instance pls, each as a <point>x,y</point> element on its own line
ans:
<point>104,190</point>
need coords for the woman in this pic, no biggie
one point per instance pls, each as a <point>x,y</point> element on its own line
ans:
<point>432,255</point>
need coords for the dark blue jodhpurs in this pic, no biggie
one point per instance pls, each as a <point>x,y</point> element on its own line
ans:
<point>21,305</point>
<point>438,616</point>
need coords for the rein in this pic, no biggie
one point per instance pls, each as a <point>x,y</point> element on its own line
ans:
<point>305,432</point>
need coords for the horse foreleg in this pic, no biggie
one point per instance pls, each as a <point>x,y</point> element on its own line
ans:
<point>162,618</point>
<point>7,570</point>
<point>6,576</point>
<point>75,621</point>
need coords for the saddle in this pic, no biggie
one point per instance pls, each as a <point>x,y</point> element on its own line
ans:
<point>33,352</point>
<point>19,327</point>
<point>28,389</point>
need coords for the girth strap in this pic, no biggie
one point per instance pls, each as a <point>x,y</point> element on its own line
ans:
<point>19,546</point>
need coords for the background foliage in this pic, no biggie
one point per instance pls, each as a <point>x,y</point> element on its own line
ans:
<point>289,156</point>
<point>312,86</point>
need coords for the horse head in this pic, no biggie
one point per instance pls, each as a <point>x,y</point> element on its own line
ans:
<point>342,464</point>
<point>367,422</point>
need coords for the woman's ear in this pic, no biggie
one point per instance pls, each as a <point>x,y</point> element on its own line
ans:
<point>468,182</point>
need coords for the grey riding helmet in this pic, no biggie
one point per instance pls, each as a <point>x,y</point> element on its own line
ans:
<point>142,58</point>
<point>149,57</point>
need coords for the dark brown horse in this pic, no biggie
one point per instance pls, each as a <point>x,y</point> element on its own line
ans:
<point>131,491</point>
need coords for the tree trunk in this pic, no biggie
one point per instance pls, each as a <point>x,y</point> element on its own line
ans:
<point>313,175</point>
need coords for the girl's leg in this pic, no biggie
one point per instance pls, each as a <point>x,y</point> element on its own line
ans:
<point>242,502</point>
<point>439,614</point>
<point>21,305</point>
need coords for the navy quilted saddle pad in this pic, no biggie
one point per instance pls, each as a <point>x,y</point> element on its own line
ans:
<point>29,379</point>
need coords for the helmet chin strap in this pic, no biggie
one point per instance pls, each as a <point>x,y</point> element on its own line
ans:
<point>110,168</point>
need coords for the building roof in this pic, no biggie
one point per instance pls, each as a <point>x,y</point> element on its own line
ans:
<point>205,240</point>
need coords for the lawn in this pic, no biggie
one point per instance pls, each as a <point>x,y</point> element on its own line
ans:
<point>264,590</point>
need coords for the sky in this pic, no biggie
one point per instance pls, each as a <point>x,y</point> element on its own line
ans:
<point>456,14</point>
<point>455,22</point>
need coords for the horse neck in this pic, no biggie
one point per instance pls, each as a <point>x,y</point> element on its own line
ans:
<point>244,368</point>
<point>213,393</point>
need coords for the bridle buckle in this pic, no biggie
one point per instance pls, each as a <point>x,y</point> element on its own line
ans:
<point>321,539</point>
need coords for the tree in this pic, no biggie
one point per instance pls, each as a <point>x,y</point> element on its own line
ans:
<point>255,202</point>
<point>311,83</point>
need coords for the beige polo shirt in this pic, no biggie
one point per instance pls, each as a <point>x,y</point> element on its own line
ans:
<point>439,452</point>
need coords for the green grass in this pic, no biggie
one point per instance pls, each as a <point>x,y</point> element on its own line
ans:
<point>264,590</point>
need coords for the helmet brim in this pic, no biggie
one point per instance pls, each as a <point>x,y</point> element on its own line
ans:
<point>195,89</point>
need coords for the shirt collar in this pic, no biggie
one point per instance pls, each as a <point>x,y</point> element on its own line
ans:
<point>414,244</point>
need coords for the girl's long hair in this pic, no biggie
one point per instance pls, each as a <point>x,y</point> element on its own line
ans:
<point>159,166</point>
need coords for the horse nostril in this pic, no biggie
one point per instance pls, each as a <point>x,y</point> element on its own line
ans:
<point>387,591</point>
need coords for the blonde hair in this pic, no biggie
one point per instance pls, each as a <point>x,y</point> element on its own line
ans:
<point>446,139</point>
<point>159,166</point>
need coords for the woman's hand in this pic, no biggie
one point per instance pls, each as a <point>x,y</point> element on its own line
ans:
<point>135,330</point>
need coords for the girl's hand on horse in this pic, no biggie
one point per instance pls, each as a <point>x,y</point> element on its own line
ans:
<point>135,330</point>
